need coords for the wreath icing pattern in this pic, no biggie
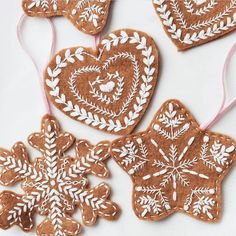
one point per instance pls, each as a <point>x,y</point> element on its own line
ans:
<point>215,25</point>
<point>118,93</point>
<point>203,10</point>
<point>88,117</point>
<point>88,103</point>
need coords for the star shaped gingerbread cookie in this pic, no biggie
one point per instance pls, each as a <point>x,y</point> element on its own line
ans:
<point>175,166</point>
<point>89,16</point>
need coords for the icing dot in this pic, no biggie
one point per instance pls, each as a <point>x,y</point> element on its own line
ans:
<point>186,207</point>
<point>230,149</point>
<point>212,191</point>
<point>156,127</point>
<point>139,188</point>
<point>131,172</point>
<point>167,207</point>
<point>206,139</point>
<point>139,141</point>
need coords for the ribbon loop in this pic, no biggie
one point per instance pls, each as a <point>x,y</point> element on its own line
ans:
<point>97,39</point>
<point>224,108</point>
<point>39,72</point>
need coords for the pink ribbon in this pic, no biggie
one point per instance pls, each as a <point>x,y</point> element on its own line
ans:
<point>40,73</point>
<point>97,40</point>
<point>224,108</point>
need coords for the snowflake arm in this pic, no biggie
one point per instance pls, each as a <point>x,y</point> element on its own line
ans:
<point>90,159</point>
<point>94,202</point>
<point>15,165</point>
<point>12,212</point>
<point>50,140</point>
<point>66,226</point>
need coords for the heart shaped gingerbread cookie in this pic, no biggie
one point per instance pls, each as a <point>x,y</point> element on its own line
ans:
<point>110,88</point>
<point>190,23</point>
<point>89,16</point>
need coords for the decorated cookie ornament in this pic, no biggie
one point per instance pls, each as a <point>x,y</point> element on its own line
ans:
<point>89,16</point>
<point>175,166</point>
<point>54,184</point>
<point>110,88</point>
<point>190,23</point>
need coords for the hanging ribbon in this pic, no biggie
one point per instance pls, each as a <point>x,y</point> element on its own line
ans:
<point>224,108</point>
<point>97,39</point>
<point>52,51</point>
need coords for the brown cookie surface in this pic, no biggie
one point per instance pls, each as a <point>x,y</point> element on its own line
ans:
<point>175,166</point>
<point>89,16</point>
<point>108,89</point>
<point>190,23</point>
<point>54,184</point>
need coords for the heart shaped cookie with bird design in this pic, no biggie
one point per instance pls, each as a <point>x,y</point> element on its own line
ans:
<point>110,88</point>
<point>89,16</point>
<point>190,23</point>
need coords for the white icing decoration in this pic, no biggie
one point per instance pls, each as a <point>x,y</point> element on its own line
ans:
<point>91,12</point>
<point>174,168</point>
<point>88,116</point>
<point>215,24</point>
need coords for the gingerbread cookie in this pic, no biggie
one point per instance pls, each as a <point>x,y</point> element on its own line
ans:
<point>89,16</point>
<point>54,184</point>
<point>190,23</point>
<point>175,166</point>
<point>110,88</point>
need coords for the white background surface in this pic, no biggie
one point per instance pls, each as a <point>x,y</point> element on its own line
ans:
<point>192,76</point>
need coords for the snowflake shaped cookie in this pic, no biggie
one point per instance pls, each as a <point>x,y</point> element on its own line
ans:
<point>89,16</point>
<point>175,166</point>
<point>190,23</point>
<point>54,184</point>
